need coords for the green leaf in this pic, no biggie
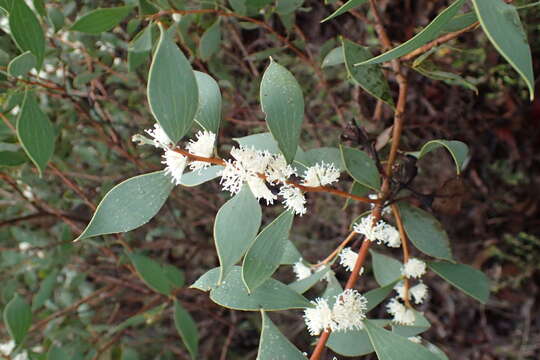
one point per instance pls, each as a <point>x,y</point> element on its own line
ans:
<point>45,290</point>
<point>39,5</point>
<point>283,103</point>
<point>290,254</point>
<point>273,345</point>
<point>152,273</point>
<point>328,155</point>
<point>235,228</point>
<point>377,296</point>
<point>501,23</point>
<point>349,5</point>
<point>425,232</point>
<point>458,150</point>
<point>301,286</point>
<point>187,329</point>
<point>208,280</point>
<point>198,177</point>
<point>26,30</point>
<point>264,255</point>
<point>21,64</point>
<point>56,17</point>
<point>12,158</point>
<point>100,20</point>
<point>130,204</point>
<point>386,269</point>
<point>420,325</point>
<point>209,110</point>
<point>353,342</point>
<point>262,142</point>
<point>147,8</point>
<point>460,22</point>
<point>174,275</point>
<point>17,318</point>
<point>57,353</point>
<point>447,77</point>
<point>35,132</point>
<point>370,77</point>
<point>172,89</point>
<point>467,279</point>
<point>390,346</point>
<point>430,32</point>
<point>361,167</point>
<point>272,295</point>
<point>210,41</point>
<point>142,43</point>
<point>334,57</point>
<point>286,7</point>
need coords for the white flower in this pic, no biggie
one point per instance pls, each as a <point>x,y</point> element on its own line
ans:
<point>176,163</point>
<point>300,270</point>
<point>414,268</point>
<point>278,170</point>
<point>320,175</point>
<point>319,318</point>
<point>347,258</point>
<point>380,232</point>
<point>203,146</point>
<point>402,315</point>
<point>419,292</point>
<point>248,164</point>
<point>415,339</point>
<point>160,138</point>
<point>349,311</point>
<point>294,199</point>
<point>260,190</point>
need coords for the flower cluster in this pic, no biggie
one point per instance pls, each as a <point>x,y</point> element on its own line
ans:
<point>257,168</point>
<point>347,313</point>
<point>347,259</point>
<point>412,269</point>
<point>175,162</point>
<point>380,231</point>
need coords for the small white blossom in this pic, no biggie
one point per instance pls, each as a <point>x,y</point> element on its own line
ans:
<point>260,190</point>
<point>414,268</point>
<point>402,315</point>
<point>381,232</point>
<point>300,270</point>
<point>319,318</point>
<point>415,339</point>
<point>347,258</point>
<point>248,164</point>
<point>320,175</point>
<point>176,163</point>
<point>294,199</point>
<point>203,146</point>
<point>349,311</point>
<point>278,170</point>
<point>159,137</point>
<point>419,292</point>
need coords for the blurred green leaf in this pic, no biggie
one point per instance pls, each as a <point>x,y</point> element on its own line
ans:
<point>130,204</point>
<point>285,7</point>
<point>210,41</point>
<point>100,20</point>
<point>187,329</point>
<point>12,158</point>
<point>235,228</point>
<point>22,64</point>
<point>172,89</point>
<point>283,103</point>
<point>349,5</point>
<point>467,279</point>
<point>17,318</point>
<point>273,345</point>
<point>152,273</point>
<point>45,290</point>
<point>35,132</point>
<point>26,30</point>
<point>334,57</point>
<point>502,25</point>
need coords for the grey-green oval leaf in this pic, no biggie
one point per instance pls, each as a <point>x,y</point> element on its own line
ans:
<point>370,77</point>
<point>100,20</point>
<point>210,41</point>
<point>458,150</point>
<point>361,167</point>
<point>334,57</point>
<point>471,281</point>
<point>273,345</point>
<point>26,30</point>
<point>386,269</point>
<point>430,32</point>
<point>283,103</point>
<point>35,132</point>
<point>129,204</point>
<point>17,318</point>
<point>21,64</point>
<point>187,329</point>
<point>235,228</point>
<point>198,177</point>
<point>209,110</point>
<point>501,23</point>
<point>425,232</point>
<point>172,89</point>
<point>264,256</point>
